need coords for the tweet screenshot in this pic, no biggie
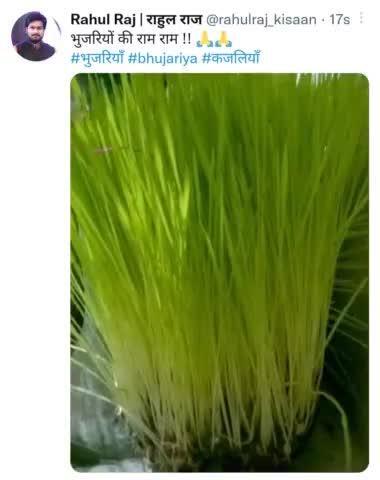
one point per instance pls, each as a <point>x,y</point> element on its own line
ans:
<point>187,266</point>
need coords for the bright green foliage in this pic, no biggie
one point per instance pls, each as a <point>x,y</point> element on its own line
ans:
<point>209,214</point>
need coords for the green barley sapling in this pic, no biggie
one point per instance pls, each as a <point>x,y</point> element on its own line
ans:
<point>209,218</point>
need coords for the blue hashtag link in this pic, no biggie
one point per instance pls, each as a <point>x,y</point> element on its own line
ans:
<point>132,58</point>
<point>75,57</point>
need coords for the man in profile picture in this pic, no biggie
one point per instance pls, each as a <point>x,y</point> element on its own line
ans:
<point>33,48</point>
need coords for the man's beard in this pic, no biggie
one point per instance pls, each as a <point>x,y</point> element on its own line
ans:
<point>36,39</point>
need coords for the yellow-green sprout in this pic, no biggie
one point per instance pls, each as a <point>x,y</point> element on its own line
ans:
<point>209,215</point>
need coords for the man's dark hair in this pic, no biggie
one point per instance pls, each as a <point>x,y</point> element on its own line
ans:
<point>33,16</point>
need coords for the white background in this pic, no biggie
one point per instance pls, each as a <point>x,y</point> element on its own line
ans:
<point>34,211</point>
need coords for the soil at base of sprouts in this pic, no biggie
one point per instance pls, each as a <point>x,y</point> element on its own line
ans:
<point>223,458</point>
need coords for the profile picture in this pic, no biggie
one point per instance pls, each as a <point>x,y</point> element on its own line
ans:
<point>34,36</point>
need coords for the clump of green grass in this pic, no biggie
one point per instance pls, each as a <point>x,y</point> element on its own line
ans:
<point>209,215</point>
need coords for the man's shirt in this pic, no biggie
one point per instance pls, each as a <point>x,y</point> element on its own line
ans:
<point>31,52</point>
